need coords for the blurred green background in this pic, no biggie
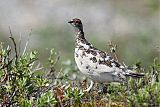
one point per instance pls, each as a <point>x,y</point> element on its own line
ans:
<point>134,25</point>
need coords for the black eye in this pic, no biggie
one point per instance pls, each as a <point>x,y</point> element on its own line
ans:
<point>77,21</point>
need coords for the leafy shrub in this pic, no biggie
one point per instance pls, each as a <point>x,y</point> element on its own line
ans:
<point>19,83</point>
<point>24,82</point>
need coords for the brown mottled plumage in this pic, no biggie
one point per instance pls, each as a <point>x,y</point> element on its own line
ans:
<point>94,63</point>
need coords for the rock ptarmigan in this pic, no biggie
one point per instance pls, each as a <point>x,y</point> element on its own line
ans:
<point>96,64</point>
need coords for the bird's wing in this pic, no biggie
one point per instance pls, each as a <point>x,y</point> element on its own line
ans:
<point>102,61</point>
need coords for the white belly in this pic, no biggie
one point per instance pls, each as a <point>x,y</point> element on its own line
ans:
<point>94,71</point>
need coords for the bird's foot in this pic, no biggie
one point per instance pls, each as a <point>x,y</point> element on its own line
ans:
<point>103,89</point>
<point>90,87</point>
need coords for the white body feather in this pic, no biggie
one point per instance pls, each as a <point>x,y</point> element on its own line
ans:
<point>96,64</point>
<point>95,71</point>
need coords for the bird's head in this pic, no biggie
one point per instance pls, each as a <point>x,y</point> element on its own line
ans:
<point>77,24</point>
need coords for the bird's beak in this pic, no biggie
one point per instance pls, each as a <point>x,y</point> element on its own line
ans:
<point>70,21</point>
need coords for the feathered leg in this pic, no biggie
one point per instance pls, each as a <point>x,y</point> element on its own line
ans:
<point>90,87</point>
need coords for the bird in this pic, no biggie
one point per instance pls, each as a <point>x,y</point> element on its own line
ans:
<point>96,64</point>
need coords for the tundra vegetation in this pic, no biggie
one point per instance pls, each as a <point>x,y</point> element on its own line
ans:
<point>26,82</point>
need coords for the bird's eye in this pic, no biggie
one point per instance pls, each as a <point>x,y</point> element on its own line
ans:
<point>77,21</point>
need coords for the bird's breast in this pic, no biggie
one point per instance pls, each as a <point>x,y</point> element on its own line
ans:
<point>83,61</point>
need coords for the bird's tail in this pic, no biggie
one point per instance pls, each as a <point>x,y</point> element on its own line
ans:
<point>135,75</point>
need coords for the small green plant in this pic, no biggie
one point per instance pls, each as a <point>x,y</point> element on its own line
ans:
<point>25,83</point>
<point>75,95</point>
<point>19,84</point>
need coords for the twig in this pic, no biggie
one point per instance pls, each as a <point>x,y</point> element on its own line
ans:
<point>6,65</point>
<point>14,43</point>
<point>32,61</point>
<point>113,50</point>
<point>20,40</point>
<point>10,102</point>
<point>37,67</point>
<point>27,42</point>
<point>57,59</point>
<point>56,79</point>
<point>8,53</point>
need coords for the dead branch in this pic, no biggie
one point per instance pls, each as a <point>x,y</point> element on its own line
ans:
<point>14,43</point>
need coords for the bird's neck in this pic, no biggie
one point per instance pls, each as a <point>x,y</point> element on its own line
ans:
<point>80,35</point>
<point>80,39</point>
